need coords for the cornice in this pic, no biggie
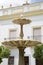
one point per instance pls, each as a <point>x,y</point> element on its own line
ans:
<point>25,14</point>
<point>33,13</point>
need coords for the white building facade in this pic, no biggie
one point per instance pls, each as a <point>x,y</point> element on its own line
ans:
<point>32,31</point>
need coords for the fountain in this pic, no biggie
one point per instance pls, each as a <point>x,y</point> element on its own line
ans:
<point>20,43</point>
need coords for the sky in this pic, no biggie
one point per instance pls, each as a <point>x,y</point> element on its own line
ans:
<point>36,1</point>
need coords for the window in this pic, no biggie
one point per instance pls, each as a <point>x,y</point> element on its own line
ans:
<point>11,60</point>
<point>13,34</point>
<point>37,34</point>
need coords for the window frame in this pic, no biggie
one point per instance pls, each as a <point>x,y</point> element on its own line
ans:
<point>12,29</point>
<point>37,27</point>
<point>9,60</point>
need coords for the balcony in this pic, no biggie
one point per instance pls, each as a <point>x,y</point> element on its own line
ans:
<point>35,38</point>
<point>21,9</point>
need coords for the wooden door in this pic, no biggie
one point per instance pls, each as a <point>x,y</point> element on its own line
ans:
<point>26,60</point>
<point>39,62</point>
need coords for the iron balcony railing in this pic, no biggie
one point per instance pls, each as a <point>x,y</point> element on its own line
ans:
<point>35,37</point>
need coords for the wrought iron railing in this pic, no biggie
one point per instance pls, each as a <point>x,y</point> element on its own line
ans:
<point>35,37</point>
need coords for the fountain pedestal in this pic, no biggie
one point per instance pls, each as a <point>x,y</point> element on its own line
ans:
<point>21,56</point>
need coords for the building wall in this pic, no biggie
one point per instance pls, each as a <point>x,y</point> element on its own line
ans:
<point>6,25</point>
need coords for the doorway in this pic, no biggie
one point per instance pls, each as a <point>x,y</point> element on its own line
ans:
<point>39,62</point>
<point>26,60</point>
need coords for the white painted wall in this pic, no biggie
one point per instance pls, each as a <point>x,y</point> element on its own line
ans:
<point>15,53</point>
<point>5,62</point>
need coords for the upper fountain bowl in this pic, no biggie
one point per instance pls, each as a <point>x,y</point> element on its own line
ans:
<point>21,21</point>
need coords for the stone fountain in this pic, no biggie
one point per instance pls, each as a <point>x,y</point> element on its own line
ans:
<point>20,43</point>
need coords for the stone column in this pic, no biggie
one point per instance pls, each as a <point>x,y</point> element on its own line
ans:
<point>21,32</point>
<point>21,56</point>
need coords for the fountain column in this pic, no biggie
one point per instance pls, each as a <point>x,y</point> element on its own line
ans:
<point>21,56</point>
<point>21,32</point>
